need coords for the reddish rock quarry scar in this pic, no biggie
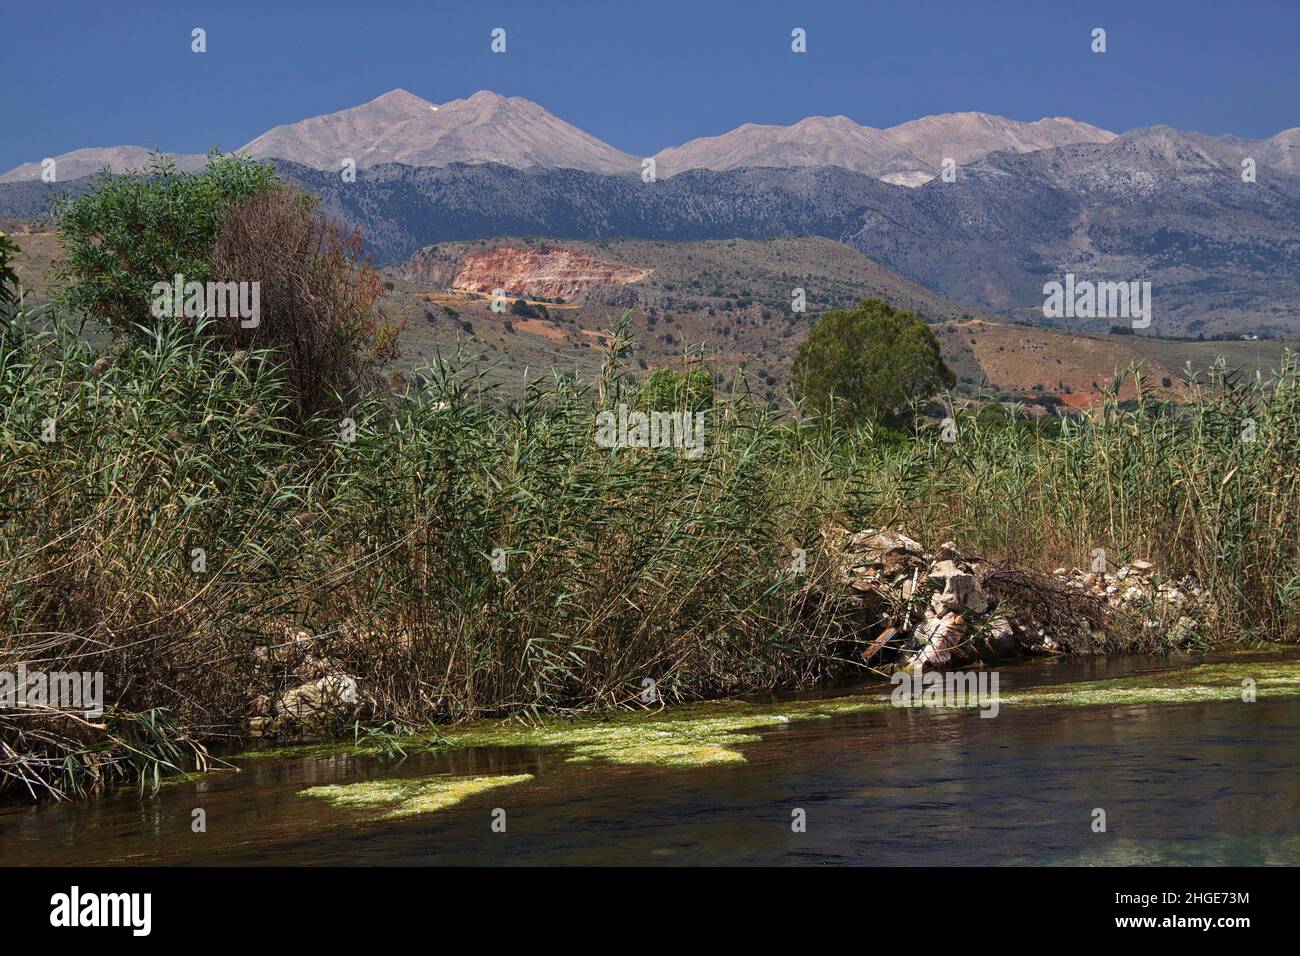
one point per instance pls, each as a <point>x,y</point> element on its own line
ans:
<point>552,273</point>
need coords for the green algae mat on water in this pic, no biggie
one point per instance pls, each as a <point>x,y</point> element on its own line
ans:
<point>699,734</point>
<point>707,734</point>
<point>1236,681</point>
<point>405,798</point>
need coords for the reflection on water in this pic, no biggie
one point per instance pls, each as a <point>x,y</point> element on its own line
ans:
<point>1206,784</point>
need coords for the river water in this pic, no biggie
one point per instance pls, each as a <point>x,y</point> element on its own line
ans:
<point>1205,784</point>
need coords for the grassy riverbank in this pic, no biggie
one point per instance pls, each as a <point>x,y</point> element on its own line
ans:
<point>620,564</point>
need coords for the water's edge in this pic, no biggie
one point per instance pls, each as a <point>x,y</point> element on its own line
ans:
<point>1184,768</point>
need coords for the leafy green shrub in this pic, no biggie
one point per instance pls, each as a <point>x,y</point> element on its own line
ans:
<point>868,363</point>
<point>666,389</point>
<point>131,232</point>
<point>521,308</point>
<point>8,275</point>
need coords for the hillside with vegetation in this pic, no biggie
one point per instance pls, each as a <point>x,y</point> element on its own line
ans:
<point>732,299</point>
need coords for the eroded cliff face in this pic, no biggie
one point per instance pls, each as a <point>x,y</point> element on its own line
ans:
<point>432,267</point>
<point>549,273</point>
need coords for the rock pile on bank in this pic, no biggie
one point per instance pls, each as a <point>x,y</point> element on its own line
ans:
<point>913,606</point>
<point>317,692</point>
<point>942,608</point>
<point>1142,590</point>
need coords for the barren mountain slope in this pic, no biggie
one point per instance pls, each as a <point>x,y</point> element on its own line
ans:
<point>400,127</point>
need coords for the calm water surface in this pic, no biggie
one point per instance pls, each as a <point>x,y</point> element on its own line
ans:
<point>1205,784</point>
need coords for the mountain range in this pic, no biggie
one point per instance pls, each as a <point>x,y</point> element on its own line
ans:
<point>1028,203</point>
<point>906,155</point>
<point>400,127</point>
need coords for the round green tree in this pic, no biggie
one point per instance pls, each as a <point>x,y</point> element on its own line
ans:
<point>868,362</point>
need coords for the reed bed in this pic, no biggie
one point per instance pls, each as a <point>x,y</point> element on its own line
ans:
<point>182,518</point>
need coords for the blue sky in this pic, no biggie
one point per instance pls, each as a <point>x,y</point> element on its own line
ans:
<point>640,76</point>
